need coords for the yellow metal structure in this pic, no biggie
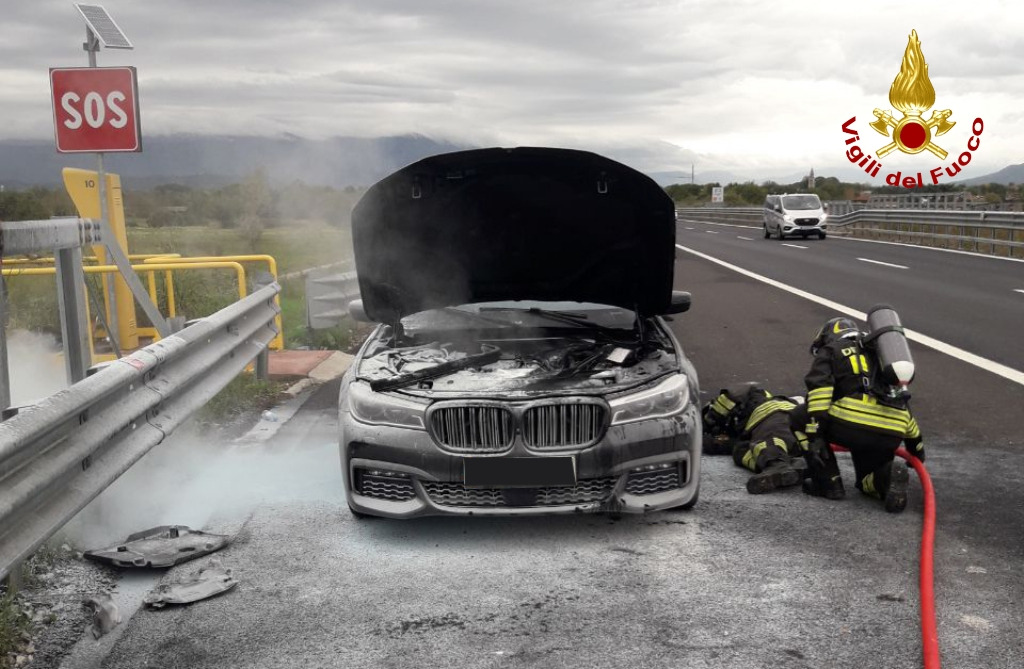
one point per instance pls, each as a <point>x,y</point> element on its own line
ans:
<point>277,343</point>
<point>82,186</point>
<point>151,269</point>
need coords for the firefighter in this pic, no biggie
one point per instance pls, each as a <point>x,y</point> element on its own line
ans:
<point>756,425</point>
<point>846,405</point>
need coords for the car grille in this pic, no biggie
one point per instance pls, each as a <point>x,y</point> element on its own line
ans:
<point>806,221</point>
<point>655,481</point>
<point>457,494</point>
<point>472,429</point>
<point>384,487</point>
<point>562,425</point>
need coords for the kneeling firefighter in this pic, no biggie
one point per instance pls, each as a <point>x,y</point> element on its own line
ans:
<point>756,425</point>
<point>857,398</point>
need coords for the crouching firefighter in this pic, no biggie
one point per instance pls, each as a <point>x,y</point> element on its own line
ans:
<point>757,425</point>
<point>857,398</point>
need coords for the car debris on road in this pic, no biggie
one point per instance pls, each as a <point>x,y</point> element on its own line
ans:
<point>211,580</point>
<point>105,615</point>
<point>158,547</point>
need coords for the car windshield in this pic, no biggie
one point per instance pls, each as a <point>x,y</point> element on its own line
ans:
<point>801,202</point>
<point>523,313</point>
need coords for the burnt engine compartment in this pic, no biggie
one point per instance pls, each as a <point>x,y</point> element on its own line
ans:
<point>517,362</point>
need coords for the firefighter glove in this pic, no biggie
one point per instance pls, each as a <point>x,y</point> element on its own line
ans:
<point>916,448</point>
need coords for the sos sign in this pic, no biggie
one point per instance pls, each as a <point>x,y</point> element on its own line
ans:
<point>95,109</point>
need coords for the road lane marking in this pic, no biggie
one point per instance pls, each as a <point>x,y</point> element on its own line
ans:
<point>879,262</point>
<point>723,225</point>
<point>1018,290</point>
<point>836,235</point>
<point>749,239</point>
<point>1004,371</point>
<point>795,246</point>
<point>711,232</point>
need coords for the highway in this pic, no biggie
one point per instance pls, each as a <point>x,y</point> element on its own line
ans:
<point>973,302</point>
<point>779,580</point>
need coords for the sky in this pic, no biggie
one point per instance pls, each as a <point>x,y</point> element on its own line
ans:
<point>753,89</point>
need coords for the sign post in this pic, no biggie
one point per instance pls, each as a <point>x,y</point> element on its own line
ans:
<point>96,110</point>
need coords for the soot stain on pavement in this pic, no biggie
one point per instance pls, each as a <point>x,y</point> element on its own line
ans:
<point>628,551</point>
<point>423,625</point>
<point>525,619</point>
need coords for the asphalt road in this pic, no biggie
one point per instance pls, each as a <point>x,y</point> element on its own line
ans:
<point>972,302</point>
<point>779,580</point>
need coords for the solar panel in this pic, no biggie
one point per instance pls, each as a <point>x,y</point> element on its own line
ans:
<point>101,25</point>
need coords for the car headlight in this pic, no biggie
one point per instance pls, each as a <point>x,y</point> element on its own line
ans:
<point>787,218</point>
<point>383,409</point>
<point>823,218</point>
<point>668,398</point>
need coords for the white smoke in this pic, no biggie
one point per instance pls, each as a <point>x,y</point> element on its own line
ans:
<point>195,479</point>
<point>36,366</point>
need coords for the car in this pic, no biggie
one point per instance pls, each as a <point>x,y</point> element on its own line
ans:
<point>797,214</point>
<point>521,363</point>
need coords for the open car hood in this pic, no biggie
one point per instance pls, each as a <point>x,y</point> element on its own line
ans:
<point>513,224</point>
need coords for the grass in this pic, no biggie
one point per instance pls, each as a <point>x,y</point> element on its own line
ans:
<point>244,395</point>
<point>200,292</point>
<point>14,624</point>
<point>296,246</point>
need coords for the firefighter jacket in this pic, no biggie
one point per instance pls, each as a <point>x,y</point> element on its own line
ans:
<point>840,387</point>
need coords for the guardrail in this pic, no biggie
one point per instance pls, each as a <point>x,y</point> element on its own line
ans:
<point>327,296</point>
<point>57,456</point>
<point>993,232</point>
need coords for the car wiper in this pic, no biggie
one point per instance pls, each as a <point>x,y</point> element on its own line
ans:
<point>475,315</point>
<point>441,369</point>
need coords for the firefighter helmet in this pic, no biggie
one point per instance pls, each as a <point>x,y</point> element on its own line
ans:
<point>833,329</point>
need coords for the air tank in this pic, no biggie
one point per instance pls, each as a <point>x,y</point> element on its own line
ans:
<point>885,333</point>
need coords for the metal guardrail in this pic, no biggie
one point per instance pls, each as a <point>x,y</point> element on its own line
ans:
<point>57,456</point>
<point>982,231</point>
<point>327,296</point>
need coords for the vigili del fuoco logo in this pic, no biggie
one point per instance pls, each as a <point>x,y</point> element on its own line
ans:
<point>912,95</point>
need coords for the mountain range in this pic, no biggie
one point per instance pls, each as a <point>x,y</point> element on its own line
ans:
<point>201,160</point>
<point>215,160</point>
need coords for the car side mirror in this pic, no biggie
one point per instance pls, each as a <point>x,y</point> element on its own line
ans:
<point>356,311</point>
<point>680,302</point>
<point>778,207</point>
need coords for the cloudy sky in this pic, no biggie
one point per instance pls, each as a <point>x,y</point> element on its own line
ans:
<point>756,89</point>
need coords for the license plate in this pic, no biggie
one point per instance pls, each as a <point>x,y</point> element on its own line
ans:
<point>520,472</point>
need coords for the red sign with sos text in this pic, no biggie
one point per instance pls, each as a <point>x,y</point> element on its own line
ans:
<point>95,109</point>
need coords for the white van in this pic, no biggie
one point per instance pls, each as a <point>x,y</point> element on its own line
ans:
<point>794,214</point>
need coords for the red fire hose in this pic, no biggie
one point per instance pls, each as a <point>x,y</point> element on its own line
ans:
<point>929,631</point>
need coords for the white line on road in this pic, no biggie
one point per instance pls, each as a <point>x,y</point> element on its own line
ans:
<point>970,358</point>
<point>1018,290</point>
<point>926,248</point>
<point>795,246</point>
<point>711,232</point>
<point>879,262</point>
<point>689,228</point>
<point>749,239</point>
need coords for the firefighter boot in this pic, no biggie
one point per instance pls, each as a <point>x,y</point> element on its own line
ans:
<point>896,493</point>
<point>824,479</point>
<point>778,474</point>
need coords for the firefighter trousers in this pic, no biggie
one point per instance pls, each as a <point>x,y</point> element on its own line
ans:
<point>872,454</point>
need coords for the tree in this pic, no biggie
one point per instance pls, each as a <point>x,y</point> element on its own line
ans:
<point>256,207</point>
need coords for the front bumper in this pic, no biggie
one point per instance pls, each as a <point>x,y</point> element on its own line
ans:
<point>635,468</point>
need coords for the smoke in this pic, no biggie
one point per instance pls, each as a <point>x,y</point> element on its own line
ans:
<point>36,366</point>
<point>196,479</point>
